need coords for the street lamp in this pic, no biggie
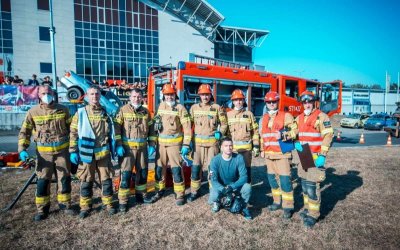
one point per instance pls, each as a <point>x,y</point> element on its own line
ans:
<point>53,46</point>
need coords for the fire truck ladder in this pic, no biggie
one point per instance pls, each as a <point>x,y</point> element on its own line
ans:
<point>217,62</point>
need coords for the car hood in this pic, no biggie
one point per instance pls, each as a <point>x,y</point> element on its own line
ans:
<point>349,120</point>
<point>374,121</point>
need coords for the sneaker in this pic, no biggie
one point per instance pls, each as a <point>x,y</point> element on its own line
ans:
<point>123,208</point>
<point>287,213</point>
<point>39,216</point>
<point>215,207</point>
<point>193,197</point>
<point>83,214</point>
<point>309,222</point>
<point>274,207</point>
<point>246,214</point>
<point>303,214</point>
<point>180,202</point>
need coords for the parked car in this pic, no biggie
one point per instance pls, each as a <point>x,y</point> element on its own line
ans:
<point>378,121</point>
<point>354,120</point>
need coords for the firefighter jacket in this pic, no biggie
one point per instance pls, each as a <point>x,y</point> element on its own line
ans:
<point>270,126</point>
<point>49,124</point>
<point>176,125</point>
<point>100,126</point>
<point>316,130</point>
<point>133,128</point>
<point>243,130</point>
<point>206,119</point>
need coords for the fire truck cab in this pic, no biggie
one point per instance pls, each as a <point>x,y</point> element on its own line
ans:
<point>224,77</point>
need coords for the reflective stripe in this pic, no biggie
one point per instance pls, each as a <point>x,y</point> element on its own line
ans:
<point>238,120</point>
<point>63,197</point>
<point>204,139</point>
<point>118,137</point>
<point>265,135</point>
<point>23,141</point>
<point>107,200</point>
<point>276,192</point>
<point>134,142</point>
<point>41,118</point>
<point>73,143</point>
<point>305,199</point>
<point>150,123</point>
<point>195,184</point>
<point>95,117</point>
<point>152,138</point>
<point>170,138</point>
<point>134,115</point>
<point>185,120</point>
<point>287,196</point>
<point>27,125</point>
<point>42,200</point>
<point>312,205</point>
<point>312,143</point>
<point>141,187</point>
<point>247,146</point>
<point>201,112</point>
<point>324,148</point>
<point>310,134</point>
<point>118,120</point>
<point>124,192</point>
<point>85,201</point>
<point>187,138</point>
<point>159,185</point>
<point>51,147</point>
<point>179,187</point>
<point>167,112</point>
<point>271,143</point>
<point>74,126</point>
<point>327,131</point>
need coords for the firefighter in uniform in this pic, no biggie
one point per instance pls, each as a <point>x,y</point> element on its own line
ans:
<point>274,126</point>
<point>132,129</point>
<point>49,123</point>
<point>243,130</point>
<point>90,139</point>
<point>209,125</point>
<point>172,122</point>
<point>315,129</point>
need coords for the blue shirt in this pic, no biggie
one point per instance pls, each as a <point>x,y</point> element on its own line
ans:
<point>232,172</point>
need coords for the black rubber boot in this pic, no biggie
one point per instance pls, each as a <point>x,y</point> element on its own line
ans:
<point>123,208</point>
<point>303,214</point>
<point>39,216</point>
<point>193,197</point>
<point>154,198</point>
<point>83,214</point>
<point>67,210</point>
<point>180,201</point>
<point>309,222</point>
<point>139,198</point>
<point>287,213</point>
<point>274,207</point>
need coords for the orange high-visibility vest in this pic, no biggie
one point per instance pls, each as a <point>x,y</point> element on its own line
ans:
<point>307,132</point>
<point>271,144</point>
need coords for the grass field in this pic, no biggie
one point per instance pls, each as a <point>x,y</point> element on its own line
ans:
<point>360,209</point>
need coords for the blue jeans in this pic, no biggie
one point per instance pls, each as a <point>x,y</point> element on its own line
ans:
<point>245,193</point>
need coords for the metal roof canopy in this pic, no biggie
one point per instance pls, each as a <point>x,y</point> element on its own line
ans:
<point>241,36</point>
<point>197,13</point>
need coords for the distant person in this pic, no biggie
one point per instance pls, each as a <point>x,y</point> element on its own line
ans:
<point>33,81</point>
<point>94,82</point>
<point>17,80</point>
<point>47,81</point>
<point>315,129</point>
<point>228,178</point>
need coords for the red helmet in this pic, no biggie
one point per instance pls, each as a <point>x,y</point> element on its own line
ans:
<point>307,96</point>
<point>237,94</point>
<point>204,89</point>
<point>271,96</point>
<point>168,89</point>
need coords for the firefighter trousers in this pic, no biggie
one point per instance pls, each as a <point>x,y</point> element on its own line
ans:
<point>247,160</point>
<point>135,158</point>
<point>86,174</point>
<point>169,155</point>
<point>201,159</point>
<point>311,197</point>
<point>47,164</point>
<point>280,181</point>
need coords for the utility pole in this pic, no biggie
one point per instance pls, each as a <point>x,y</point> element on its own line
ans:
<point>53,46</point>
<point>398,86</point>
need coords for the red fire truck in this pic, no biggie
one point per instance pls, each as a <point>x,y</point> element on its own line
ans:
<point>224,77</point>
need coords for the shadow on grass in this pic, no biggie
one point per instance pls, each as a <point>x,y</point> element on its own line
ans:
<point>334,189</point>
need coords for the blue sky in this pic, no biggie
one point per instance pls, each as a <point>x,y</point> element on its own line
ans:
<point>352,40</point>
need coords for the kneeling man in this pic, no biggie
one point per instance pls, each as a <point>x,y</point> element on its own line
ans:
<point>228,180</point>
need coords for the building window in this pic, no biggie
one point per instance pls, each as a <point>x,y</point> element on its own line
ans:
<point>45,68</point>
<point>44,33</point>
<point>43,5</point>
<point>102,43</point>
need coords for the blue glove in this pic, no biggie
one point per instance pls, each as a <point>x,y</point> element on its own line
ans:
<point>298,146</point>
<point>217,135</point>
<point>23,155</point>
<point>151,150</point>
<point>320,162</point>
<point>120,151</point>
<point>74,157</point>
<point>184,150</point>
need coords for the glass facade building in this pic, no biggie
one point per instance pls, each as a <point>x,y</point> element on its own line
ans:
<point>115,39</point>
<point>6,41</point>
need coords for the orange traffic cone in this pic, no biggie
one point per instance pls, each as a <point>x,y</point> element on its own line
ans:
<point>362,141</point>
<point>338,137</point>
<point>389,140</point>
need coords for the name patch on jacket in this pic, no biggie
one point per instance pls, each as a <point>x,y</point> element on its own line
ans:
<point>245,116</point>
<point>327,124</point>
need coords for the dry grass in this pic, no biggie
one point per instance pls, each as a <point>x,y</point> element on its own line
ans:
<point>360,206</point>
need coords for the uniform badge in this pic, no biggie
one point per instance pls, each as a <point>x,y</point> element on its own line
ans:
<point>245,116</point>
<point>327,124</point>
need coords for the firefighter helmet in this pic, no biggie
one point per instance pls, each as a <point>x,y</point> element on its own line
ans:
<point>271,96</point>
<point>204,89</point>
<point>168,89</point>
<point>237,94</point>
<point>307,96</point>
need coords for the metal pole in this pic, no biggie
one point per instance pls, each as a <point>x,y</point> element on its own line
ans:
<point>386,83</point>
<point>53,46</point>
<point>398,86</point>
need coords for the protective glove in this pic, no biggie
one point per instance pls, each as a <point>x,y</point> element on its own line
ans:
<point>184,150</point>
<point>320,162</point>
<point>74,157</point>
<point>227,190</point>
<point>256,151</point>
<point>23,155</point>
<point>298,146</point>
<point>120,151</point>
<point>217,135</point>
<point>151,150</point>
